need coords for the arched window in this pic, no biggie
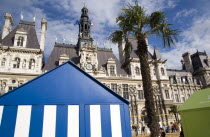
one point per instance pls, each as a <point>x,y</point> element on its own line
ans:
<point>3,62</point>
<point>20,41</point>
<point>16,63</point>
<point>137,71</point>
<point>4,86</point>
<point>162,72</point>
<point>112,70</point>
<point>31,64</point>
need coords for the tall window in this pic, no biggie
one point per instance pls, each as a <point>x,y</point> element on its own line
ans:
<point>162,72</point>
<point>20,41</point>
<point>112,70</point>
<point>11,88</point>
<point>24,64</point>
<point>183,99</point>
<point>4,86</point>
<point>137,71</point>
<point>3,62</point>
<point>167,94</point>
<point>177,97</point>
<point>125,91</point>
<point>154,72</point>
<point>174,80</point>
<point>17,63</point>
<point>31,64</point>
<point>182,91</point>
<point>114,87</point>
<point>141,94</point>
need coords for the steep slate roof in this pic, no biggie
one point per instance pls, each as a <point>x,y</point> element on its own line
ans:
<point>104,55</point>
<point>59,49</point>
<point>156,54</point>
<point>199,60</point>
<point>172,72</point>
<point>71,52</point>
<point>134,45</point>
<point>29,27</point>
<point>62,85</point>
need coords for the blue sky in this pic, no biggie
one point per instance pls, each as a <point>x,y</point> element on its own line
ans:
<point>192,18</point>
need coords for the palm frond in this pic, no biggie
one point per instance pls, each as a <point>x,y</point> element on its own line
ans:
<point>116,36</point>
<point>157,18</point>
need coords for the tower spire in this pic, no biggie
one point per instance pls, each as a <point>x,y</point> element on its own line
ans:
<point>84,28</point>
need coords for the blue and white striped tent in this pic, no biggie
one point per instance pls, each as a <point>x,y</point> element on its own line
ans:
<point>64,102</point>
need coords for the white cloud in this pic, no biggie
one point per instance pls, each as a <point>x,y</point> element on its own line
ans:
<point>185,13</point>
<point>155,5</point>
<point>102,13</point>
<point>197,37</point>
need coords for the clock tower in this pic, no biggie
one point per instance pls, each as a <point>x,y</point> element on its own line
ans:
<point>87,51</point>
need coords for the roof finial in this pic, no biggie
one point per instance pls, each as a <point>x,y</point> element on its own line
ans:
<point>21,15</point>
<point>34,19</point>
<point>84,2</point>
<point>56,39</point>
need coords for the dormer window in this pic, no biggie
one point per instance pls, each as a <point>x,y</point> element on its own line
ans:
<point>3,62</point>
<point>111,67</point>
<point>20,41</point>
<point>20,38</point>
<point>137,71</point>
<point>16,63</point>
<point>63,58</point>
<point>31,64</point>
<point>112,70</point>
<point>162,72</point>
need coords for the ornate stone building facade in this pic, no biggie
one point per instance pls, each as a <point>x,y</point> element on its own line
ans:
<point>21,58</point>
<point>21,55</point>
<point>199,65</point>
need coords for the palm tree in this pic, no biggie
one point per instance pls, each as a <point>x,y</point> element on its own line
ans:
<point>134,22</point>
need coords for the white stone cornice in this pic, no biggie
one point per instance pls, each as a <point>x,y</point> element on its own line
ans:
<point>21,49</point>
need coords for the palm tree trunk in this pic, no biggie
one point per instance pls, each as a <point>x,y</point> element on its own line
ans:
<point>176,117</point>
<point>161,110</point>
<point>164,108</point>
<point>142,52</point>
<point>163,104</point>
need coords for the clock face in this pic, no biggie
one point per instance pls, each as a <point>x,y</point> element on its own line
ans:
<point>89,66</point>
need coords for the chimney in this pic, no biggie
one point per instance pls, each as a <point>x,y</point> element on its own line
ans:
<point>187,62</point>
<point>43,33</point>
<point>8,25</point>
